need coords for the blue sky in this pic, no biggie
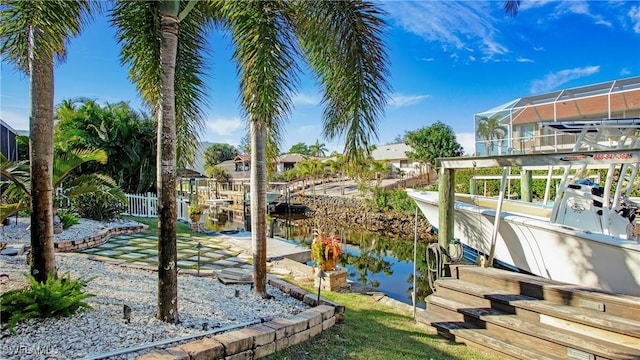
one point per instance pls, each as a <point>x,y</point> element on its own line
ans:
<point>449,60</point>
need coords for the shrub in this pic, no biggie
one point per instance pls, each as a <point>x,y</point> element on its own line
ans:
<point>380,199</point>
<point>68,219</point>
<point>400,201</point>
<point>384,200</point>
<point>57,297</point>
<point>98,206</point>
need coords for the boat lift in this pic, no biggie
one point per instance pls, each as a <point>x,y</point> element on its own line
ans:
<point>601,152</point>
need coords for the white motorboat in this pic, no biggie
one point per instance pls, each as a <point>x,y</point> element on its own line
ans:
<point>588,237</point>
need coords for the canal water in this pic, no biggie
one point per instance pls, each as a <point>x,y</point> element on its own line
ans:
<point>380,262</point>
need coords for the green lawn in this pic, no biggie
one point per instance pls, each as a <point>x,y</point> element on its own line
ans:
<point>375,331</point>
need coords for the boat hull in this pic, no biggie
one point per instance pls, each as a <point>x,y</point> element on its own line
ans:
<point>533,244</point>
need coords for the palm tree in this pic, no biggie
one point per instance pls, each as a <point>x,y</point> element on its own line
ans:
<point>32,34</point>
<point>318,149</point>
<point>341,42</point>
<point>165,49</point>
<point>490,128</point>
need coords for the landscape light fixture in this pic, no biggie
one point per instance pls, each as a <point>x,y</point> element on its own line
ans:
<point>199,247</point>
<point>321,275</point>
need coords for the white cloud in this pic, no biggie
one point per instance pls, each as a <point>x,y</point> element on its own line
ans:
<point>468,142</point>
<point>625,72</point>
<point>531,4</point>
<point>634,14</point>
<point>572,7</point>
<point>306,99</point>
<point>401,100</point>
<point>426,59</point>
<point>523,60</point>
<point>457,25</point>
<point>555,80</point>
<point>225,127</point>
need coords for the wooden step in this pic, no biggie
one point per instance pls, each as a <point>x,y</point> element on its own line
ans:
<point>623,306</point>
<point>597,324</point>
<point>479,339</point>
<point>530,334</point>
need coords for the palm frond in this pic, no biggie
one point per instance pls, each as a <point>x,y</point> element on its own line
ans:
<point>94,183</point>
<point>64,163</point>
<point>56,22</point>
<point>138,25</point>
<point>18,173</point>
<point>7,209</point>
<point>511,7</point>
<point>342,41</point>
<point>190,85</point>
<point>138,32</point>
<point>265,52</point>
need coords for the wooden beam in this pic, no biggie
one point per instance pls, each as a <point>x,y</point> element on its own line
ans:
<point>526,190</point>
<point>446,194</point>
<point>593,158</point>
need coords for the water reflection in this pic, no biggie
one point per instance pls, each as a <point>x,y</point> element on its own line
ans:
<point>380,262</point>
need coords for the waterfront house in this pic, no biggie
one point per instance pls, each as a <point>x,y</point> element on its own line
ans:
<point>515,127</point>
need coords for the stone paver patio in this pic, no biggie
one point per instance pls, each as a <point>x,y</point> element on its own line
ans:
<point>143,248</point>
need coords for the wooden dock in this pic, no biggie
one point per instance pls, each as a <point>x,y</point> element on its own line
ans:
<point>517,316</point>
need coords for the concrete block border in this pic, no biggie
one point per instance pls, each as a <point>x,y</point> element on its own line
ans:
<point>263,339</point>
<point>100,238</point>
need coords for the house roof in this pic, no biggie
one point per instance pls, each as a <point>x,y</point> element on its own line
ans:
<point>290,158</point>
<point>391,152</point>
<point>611,99</point>
<point>242,158</point>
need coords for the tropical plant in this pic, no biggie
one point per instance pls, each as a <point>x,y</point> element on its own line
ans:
<point>380,199</point>
<point>195,209</point>
<point>32,35</point>
<point>99,206</point>
<point>56,297</point>
<point>68,219</point>
<point>123,133</point>
<point>318,149</point>
<point>400,201</point>
<point>17,195</point>
<point>490,128</point>
<point>325,250</point>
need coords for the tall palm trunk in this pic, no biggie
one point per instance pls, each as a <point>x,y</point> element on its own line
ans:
<point>259,207</point>
<point>41,137</point>
<point>167,252</point>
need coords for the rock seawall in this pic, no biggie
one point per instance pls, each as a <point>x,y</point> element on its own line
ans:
<point>353,213</point>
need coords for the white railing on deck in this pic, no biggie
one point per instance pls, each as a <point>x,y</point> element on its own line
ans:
<point>146,205</point>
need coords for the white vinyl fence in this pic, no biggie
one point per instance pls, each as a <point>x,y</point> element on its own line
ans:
<point>146,205</point>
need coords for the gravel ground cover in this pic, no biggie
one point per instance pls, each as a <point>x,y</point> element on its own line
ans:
<point>204,303</point>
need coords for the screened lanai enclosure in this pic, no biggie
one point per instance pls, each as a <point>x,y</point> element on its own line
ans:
<point>515,127</point>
